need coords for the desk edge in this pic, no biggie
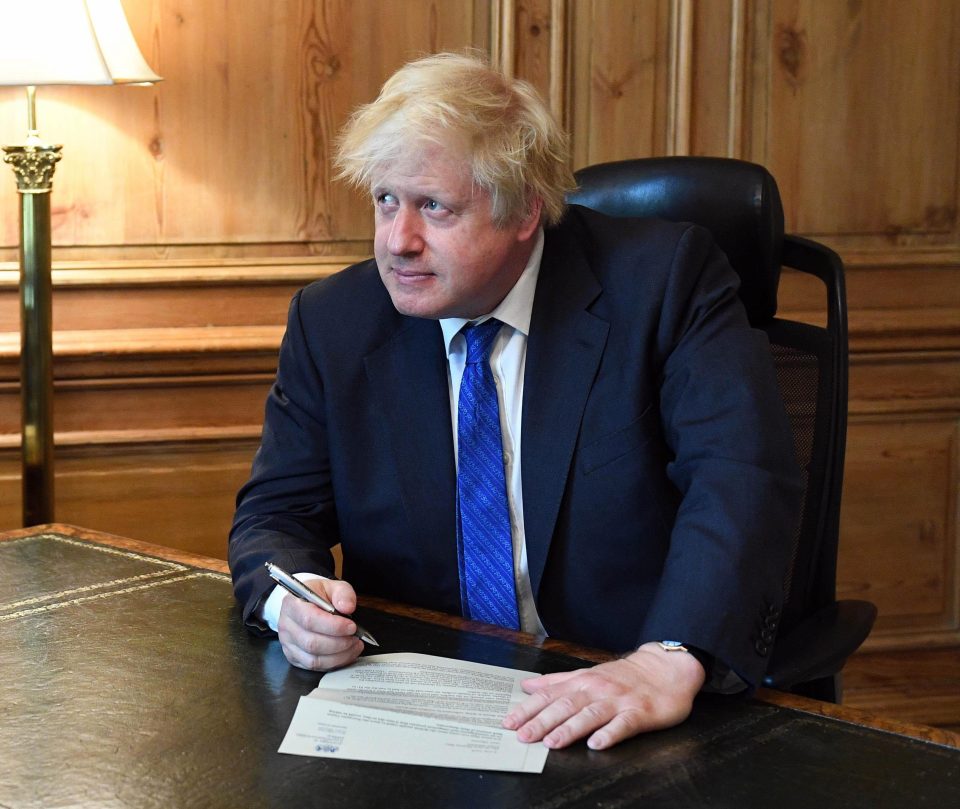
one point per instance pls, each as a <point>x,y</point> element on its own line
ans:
<point>839,712</point>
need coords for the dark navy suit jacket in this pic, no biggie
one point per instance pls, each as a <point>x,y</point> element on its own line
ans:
<point>660,487</point>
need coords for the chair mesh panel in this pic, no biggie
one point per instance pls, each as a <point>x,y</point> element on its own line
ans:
<point>802,357</point>
<point>798,375</point>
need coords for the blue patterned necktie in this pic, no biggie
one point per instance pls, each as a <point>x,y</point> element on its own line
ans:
<point>484,547</point>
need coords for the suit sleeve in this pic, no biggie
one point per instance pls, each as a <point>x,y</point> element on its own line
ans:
<point>733,462</point>
<point>285,512</point>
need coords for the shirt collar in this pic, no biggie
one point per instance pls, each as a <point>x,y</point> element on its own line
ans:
<point>515,309</point>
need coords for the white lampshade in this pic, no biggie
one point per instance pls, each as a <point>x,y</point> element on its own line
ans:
<point>68,42</point>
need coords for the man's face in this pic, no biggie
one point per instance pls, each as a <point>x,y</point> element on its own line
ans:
<point>437,248</point>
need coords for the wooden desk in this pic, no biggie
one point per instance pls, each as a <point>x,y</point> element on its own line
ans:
<point>128,681</point>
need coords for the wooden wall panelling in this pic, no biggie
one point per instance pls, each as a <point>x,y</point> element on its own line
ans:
<point>912,685</point>
<point>680,77</point>
<point>650,78</point>
<point>899,526</point>
<point>905,384</point>
<point>534,47</point>
<point>620,61</point>
<point>234,145</point>
<point>902,278</point>
<point>855,108</point>
<point>178,494</point>
<point>170,294</point>
<point>528,41</point>
<point>184,354</point>
<point>720,64</point>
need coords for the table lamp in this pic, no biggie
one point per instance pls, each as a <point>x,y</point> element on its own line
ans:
<point>51,42</point>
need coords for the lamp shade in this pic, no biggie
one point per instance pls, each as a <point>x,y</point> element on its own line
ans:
<point>69,42</point>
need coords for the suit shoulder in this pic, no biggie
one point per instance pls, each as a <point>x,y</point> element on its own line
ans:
<point>616,235</point>
<point>633,252</point>
<point>358,284</point>
<point>348,307</point>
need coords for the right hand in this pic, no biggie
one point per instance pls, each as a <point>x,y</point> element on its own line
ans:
<point>314,639</point>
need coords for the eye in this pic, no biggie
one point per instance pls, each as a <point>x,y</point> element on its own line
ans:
<point>385,200</point>
<point>435,207</point>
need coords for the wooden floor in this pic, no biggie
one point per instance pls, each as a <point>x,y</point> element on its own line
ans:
<point>919,686</point>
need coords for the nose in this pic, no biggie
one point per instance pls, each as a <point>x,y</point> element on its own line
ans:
<point>405,237</point>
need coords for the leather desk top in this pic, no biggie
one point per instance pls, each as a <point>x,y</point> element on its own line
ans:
<point>128,681</point>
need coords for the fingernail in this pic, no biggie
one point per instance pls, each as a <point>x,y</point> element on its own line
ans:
<point>596,742</point>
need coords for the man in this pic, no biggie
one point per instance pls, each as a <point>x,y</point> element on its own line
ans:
<point>643,480</point>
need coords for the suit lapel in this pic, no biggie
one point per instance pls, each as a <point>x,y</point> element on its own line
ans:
<point>409,377</point>
<point>563,354</point>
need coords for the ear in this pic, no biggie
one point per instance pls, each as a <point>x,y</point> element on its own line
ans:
<point>529,224</point>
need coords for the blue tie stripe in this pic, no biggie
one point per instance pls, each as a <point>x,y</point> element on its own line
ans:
<point>485,548</point>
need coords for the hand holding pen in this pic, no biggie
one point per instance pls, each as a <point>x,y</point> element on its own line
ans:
<point>301,591</point>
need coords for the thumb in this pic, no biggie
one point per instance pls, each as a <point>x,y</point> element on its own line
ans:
<point>339,593</point>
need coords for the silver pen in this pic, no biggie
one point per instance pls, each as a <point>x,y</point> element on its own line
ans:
<point>300,590</point>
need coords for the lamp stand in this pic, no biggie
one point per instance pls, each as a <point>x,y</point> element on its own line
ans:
<point>33,164</point>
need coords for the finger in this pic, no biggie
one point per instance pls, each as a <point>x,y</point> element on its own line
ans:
<point>315,631</point>
<point>314,619</point>
<point>526,710</point>
<point>316,651</point>
<point>303,659</point>
<point>592,716</point>
<point>339,593</point>
<point>535,686</point>
<point>314,643</point>
<point>541,681</point>
<point>558,708</point>
<point>623,726</point>
<point>312,638</point>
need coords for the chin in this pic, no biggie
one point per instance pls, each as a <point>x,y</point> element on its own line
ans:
<point>410,306</point>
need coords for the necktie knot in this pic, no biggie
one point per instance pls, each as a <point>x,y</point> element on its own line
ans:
<point>480,340</point>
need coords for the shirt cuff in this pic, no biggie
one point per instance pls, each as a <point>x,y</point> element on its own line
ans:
<point>269,612</point>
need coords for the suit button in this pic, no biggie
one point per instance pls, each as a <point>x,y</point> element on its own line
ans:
<point>770,622</point>
<point>767,636</point>
<point>761,648</point>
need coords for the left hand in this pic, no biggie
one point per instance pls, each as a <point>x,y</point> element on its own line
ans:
<point>649,689</point>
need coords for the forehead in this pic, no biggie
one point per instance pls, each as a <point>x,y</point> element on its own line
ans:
<point>426,167</point>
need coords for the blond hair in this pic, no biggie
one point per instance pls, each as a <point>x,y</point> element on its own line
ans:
<point>517,150</point>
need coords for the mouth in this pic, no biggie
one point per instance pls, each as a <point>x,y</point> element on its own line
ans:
<point>406,275</point>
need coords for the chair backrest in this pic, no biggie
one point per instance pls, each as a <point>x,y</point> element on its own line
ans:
<point>740,204</point>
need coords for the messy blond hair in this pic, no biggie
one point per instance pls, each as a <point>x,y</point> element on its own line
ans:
<point>517,150</point>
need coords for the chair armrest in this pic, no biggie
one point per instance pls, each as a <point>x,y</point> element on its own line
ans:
<point>820,645</point>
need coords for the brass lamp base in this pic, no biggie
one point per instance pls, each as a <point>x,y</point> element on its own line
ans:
<point>34,164</point>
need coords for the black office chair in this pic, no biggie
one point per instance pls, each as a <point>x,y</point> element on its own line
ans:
<point>740,204</point>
